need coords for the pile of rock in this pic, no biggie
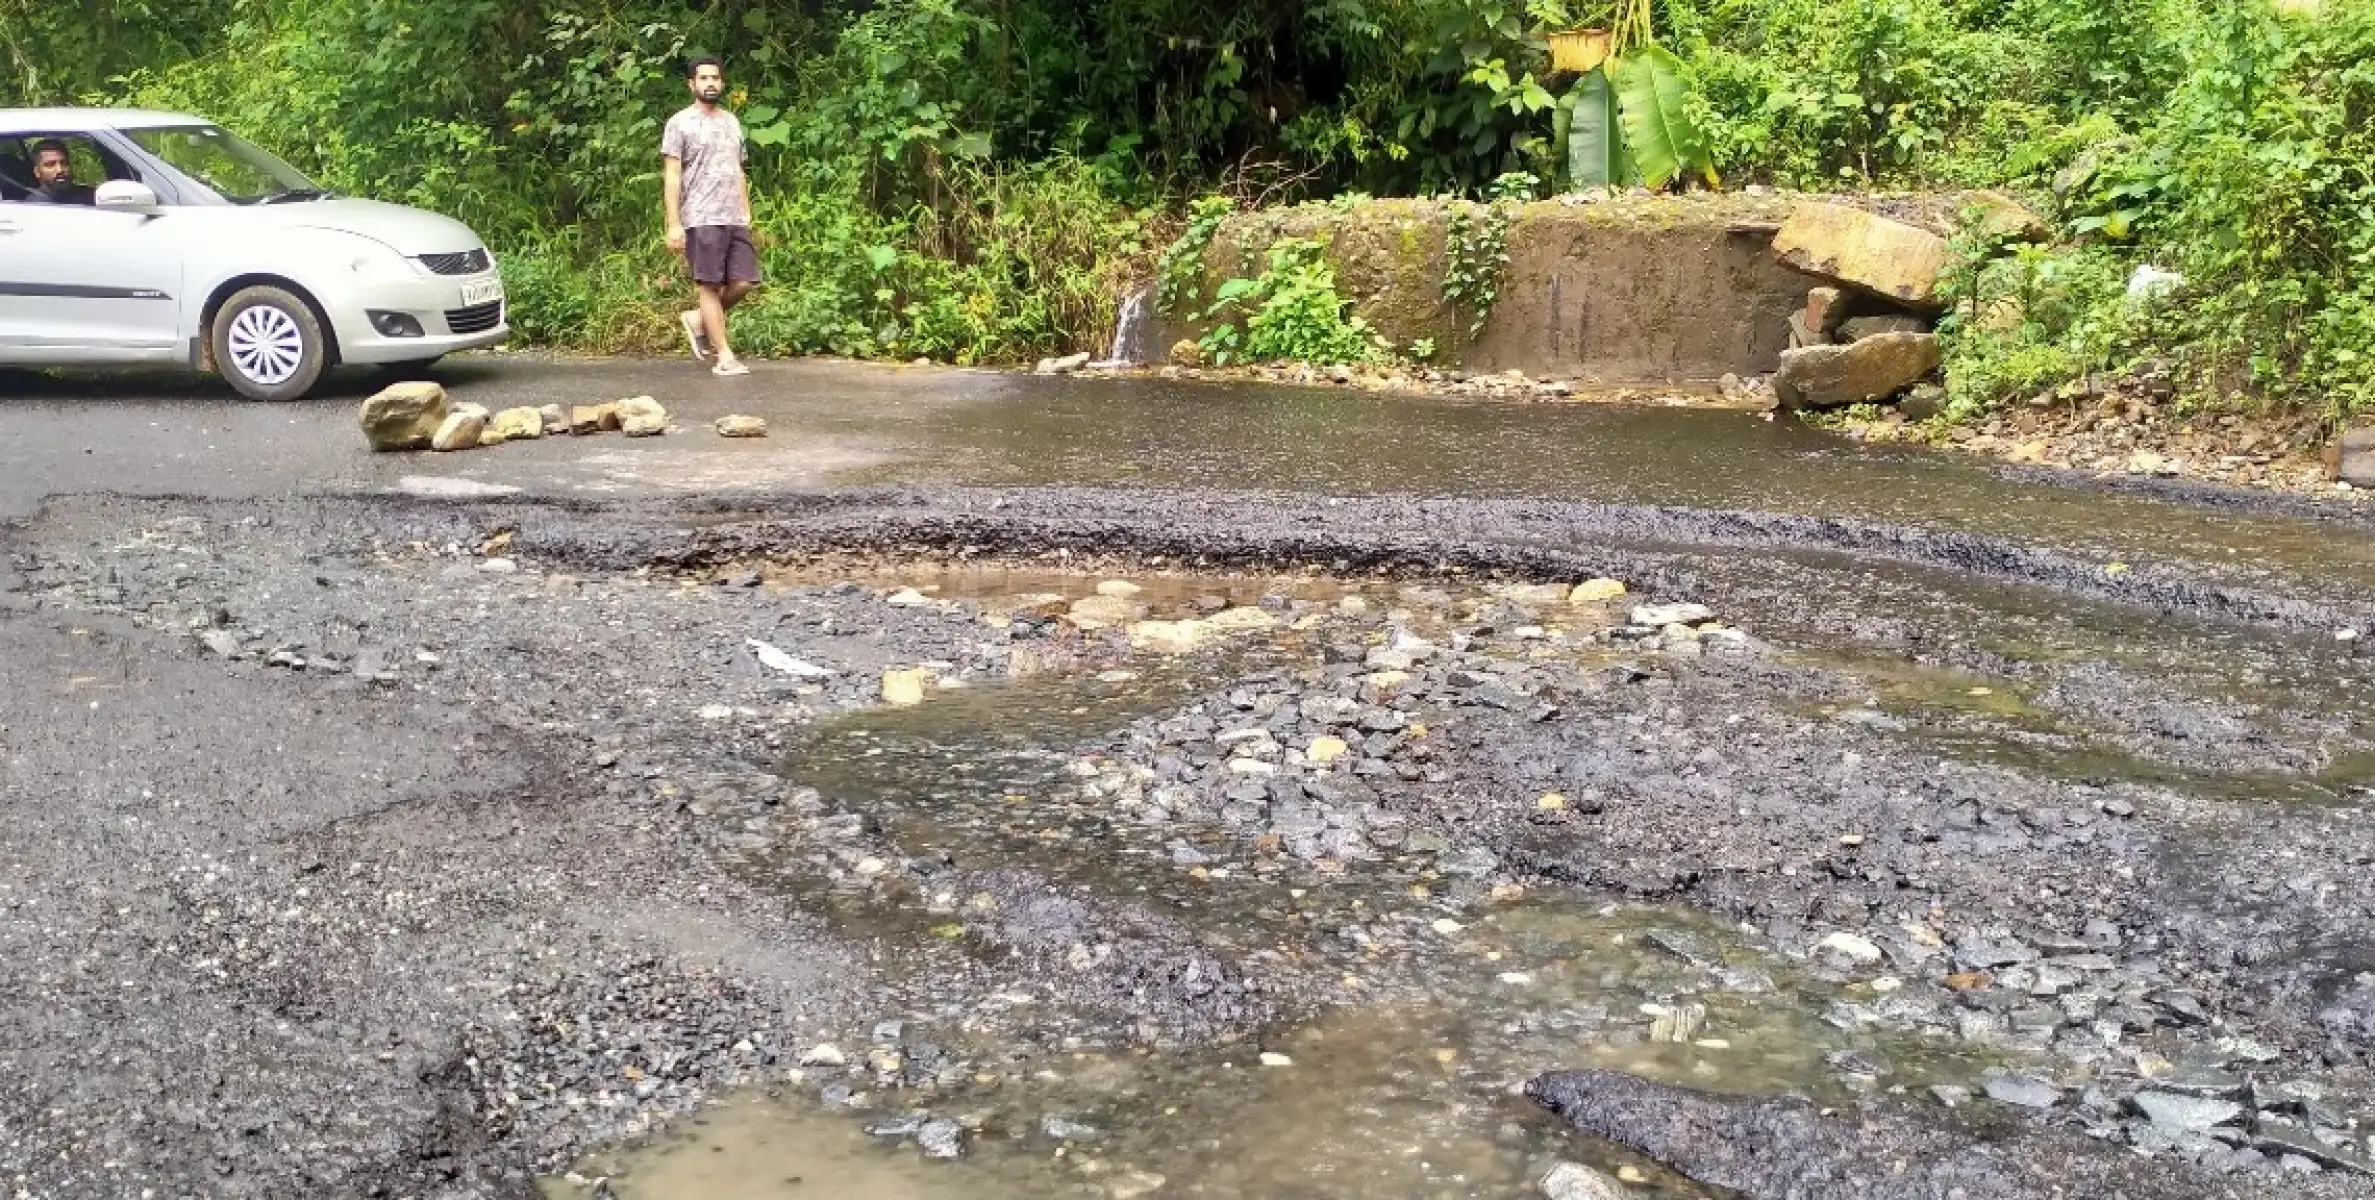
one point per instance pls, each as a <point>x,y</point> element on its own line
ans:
<point>1866,336</point>
<point>415,416</point>
<point>1326,764</point>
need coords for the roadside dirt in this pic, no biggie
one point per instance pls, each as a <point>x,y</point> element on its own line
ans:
<point>2119,436</point>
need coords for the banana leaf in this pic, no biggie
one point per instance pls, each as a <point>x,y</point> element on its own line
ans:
<point>1587,128</point>
<point>1652,99</point>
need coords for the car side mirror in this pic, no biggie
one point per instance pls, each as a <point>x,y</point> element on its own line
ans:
<point>127,195</point>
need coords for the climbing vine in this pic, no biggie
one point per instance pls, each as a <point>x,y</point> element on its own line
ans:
<point>1476,248</point>
<point>1181,271</point>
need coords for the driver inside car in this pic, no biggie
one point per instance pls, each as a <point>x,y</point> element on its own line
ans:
<point>53,177</point>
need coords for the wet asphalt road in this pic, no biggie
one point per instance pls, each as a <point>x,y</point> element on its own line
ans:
<point>836,423</point>
<point>303,873</point>
<point>176,435</point>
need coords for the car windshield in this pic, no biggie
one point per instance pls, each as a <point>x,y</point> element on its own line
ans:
<point>223,163</point>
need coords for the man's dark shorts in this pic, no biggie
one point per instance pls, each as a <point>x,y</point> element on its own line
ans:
<point>721,254</point>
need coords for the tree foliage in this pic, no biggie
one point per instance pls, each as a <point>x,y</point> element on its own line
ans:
<point>980,179</point>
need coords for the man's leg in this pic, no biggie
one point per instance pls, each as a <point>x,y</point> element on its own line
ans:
<point>713,320</point>
<point>741,274</point>
<point>703,258</point>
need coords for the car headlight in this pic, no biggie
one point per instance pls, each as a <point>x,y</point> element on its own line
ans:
<point>373,260</point>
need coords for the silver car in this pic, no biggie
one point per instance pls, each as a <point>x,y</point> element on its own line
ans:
<point>198,249</point>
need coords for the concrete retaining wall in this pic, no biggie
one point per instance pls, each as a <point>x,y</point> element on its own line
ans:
<point>1664,289</point>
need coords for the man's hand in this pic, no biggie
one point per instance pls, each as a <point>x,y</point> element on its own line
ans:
<point>761,238</point>
<point>676,239</point>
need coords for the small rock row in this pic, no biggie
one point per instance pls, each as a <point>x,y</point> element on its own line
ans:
<point>417,416</point>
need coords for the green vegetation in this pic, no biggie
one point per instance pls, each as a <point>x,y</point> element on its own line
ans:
<point>2248,173</point>
<point>1476,249</point>
<point>1630,118</point>
<point>1291,312</point>
<point>980,180</point>
<point>1181,271</point>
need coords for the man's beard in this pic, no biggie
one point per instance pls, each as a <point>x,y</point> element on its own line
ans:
<point>709,95</point>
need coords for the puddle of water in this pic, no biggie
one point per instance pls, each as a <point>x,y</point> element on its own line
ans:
<point>1406,1091</point>
<point>1984,719</point>
<point>2349,782</point>
<point>1914,688</point>
<point>1406,1088</point>
<point>1412,1099</point>
<point>972,777</point>
<point>2056,667</point>
<point>761,1149</point>
<point>1158,433</point>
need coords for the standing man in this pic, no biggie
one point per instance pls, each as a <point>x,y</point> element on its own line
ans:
<point>708,211</point>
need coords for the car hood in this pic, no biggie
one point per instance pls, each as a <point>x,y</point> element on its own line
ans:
<point>409,231</point>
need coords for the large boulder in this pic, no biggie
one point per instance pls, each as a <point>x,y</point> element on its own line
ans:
<point>1866,372</point>
<point>907,688</point>
<point>1873,253</point>
<point>1101,612</point>
<point>404,417</point>
<point>592,418</point>
<point>2351,458</point>
<point>1169,637</point>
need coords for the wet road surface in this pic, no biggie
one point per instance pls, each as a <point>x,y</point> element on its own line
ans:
<point>404,846</point>
<point>848,423</point>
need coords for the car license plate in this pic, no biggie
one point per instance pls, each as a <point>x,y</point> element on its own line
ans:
<point>480,291</point>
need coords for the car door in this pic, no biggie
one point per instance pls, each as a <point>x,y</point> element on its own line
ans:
<point>80,284</point>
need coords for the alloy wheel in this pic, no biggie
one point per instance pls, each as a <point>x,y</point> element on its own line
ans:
<point>266,345</point>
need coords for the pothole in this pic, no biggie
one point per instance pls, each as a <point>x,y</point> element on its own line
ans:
<point>1286,895</point>
<point>1412,1095</point>
<point>1259,829</point>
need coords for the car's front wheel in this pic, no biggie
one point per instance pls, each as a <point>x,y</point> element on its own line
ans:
<point>268,345</point>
